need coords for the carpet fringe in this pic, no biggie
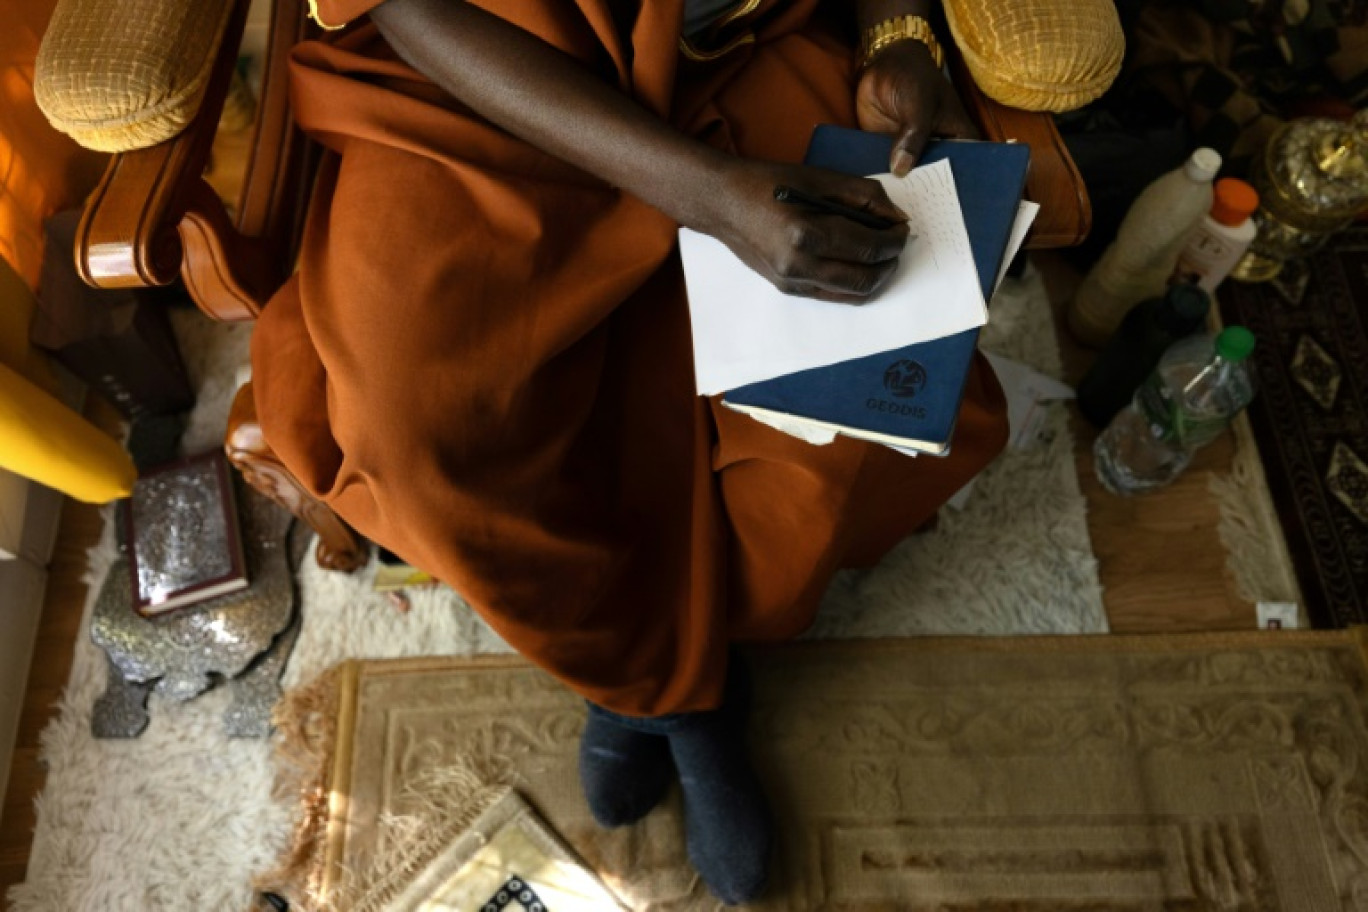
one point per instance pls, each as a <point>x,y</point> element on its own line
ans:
<point>446,800</point>
<point>450,799</point>
<point>1256,551</point>
<point>305,723</point>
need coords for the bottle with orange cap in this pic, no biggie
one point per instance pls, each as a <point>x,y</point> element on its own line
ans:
<point>1220,238</point>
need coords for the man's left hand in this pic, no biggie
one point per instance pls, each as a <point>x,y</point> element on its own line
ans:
<point>901,92</point>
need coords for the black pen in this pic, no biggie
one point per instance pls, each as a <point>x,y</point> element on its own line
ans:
<point>796,197</point>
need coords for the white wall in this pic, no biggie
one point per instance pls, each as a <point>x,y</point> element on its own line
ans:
<point>254,39</point>
<point>258,28</point>
<point>29,514</point>
<point>13,496</point>
<point>28,519</point>
<point>21,603</point>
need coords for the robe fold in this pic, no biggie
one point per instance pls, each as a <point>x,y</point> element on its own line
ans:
<point>483,361</point>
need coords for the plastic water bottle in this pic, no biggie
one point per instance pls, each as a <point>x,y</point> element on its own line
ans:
<point>1137,265</point>
<point>1149,330</point>
<point>1198,387</point>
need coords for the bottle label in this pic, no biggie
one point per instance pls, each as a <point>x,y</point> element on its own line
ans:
<point>1171,423</point>
<point>1192,431</point>
<point>1207,259</point>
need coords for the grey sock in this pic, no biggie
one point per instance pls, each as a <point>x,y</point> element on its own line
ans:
<point>624,772</point>
<point>726,819</point>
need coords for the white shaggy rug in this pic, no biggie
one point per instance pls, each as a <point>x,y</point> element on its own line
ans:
<point>182,817</point>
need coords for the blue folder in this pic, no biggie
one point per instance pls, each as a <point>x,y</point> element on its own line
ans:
<point>907,397</point>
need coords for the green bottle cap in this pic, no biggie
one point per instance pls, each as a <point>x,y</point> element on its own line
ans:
<point>1235,343</point>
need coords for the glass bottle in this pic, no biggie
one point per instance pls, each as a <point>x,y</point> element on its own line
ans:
<point>1312,180</point>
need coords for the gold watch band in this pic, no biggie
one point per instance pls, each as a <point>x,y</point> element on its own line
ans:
<point>313,14</point>
<point>899,28</point>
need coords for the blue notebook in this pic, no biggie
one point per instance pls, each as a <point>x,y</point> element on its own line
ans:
<point>908,397</point>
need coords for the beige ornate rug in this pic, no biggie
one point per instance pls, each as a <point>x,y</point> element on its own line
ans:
<point>144,824</point>
<point>1193,773</point>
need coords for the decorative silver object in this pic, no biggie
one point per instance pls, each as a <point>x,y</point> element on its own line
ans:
<point>121,711</point>
<point>180,654</point>
<point>256,691</point>
<point>198,548</point>
<point>1312,178</point>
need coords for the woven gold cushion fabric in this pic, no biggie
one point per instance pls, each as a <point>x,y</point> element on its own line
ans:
<point>1039,55</point>
<point>126,74</point>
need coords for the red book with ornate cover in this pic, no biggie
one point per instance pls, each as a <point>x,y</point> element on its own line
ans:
<point>184,537</point>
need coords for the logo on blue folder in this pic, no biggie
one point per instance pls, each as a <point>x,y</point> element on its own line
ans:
<point>904,378</point>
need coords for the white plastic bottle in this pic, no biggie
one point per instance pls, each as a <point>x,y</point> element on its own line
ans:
<point>1137,264</point>
<point>1219,240</point>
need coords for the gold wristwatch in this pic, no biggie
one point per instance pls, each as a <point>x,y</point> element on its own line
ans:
<point>899,28</point>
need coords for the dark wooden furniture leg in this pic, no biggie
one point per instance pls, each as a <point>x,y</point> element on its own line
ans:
<point>339,548</point>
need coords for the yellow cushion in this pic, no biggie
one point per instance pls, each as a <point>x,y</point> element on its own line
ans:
<point>42,439</point>
<point>116,75</point>
<point>1039,55</point>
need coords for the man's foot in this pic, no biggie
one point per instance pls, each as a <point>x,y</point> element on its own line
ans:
<point>624,772</point>
<point>726,819</point>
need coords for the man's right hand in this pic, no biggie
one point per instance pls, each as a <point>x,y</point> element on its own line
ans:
<point>543,96</point>
<point>799,249</point>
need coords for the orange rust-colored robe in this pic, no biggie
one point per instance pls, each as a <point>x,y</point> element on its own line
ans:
<point>484,363</point>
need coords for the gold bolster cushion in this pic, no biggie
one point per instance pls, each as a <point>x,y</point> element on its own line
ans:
<point>126,74</point>
<point>1039,55</point>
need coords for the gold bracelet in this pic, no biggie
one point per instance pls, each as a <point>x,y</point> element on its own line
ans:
<point>313,14</point>
<point>899,28</point>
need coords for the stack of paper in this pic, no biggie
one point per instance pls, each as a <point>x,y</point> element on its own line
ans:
<point>745,330</point>
<point>891,371</point>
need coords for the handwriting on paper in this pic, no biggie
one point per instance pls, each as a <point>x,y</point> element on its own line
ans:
<point>745,330</point>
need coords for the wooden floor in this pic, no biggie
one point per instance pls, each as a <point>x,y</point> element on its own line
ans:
<point>1161,562</point>
<point>81,525</point>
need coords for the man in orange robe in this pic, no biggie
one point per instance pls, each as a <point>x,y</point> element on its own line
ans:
<point>484,360</point>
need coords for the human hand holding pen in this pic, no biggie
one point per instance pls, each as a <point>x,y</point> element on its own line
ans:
<point>795,197</point>
<point>834,237</point>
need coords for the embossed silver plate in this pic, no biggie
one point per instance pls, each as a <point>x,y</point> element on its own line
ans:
<point>183,652</point>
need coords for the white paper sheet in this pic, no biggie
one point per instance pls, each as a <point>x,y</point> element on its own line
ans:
<point>1028,392</point>
<point>745,330</point>
<point>805,430</point>
<point>1025,217</point>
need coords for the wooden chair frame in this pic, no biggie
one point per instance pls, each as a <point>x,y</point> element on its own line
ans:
<point>153,218</point>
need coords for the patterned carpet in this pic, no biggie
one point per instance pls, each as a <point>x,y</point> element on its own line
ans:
<point>144,824</point>
<point>1032,774</point>
<point>1310,420</point>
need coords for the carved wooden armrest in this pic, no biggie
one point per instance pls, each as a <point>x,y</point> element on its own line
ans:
<point>1053,180</point>
<point>339,548</point>
<point>153,216</point>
